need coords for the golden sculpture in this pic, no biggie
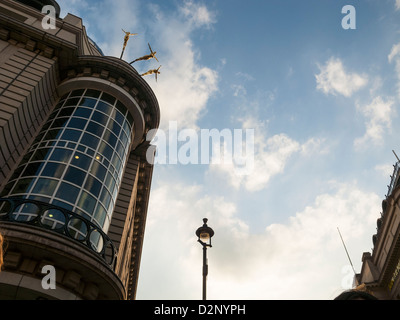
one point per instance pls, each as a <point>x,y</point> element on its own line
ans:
<point>126,39</point>
<point>152,55</point>
<point>154,71</point>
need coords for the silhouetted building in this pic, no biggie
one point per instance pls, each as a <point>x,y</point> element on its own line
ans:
<point>74,175</point>
<point>381,269</point>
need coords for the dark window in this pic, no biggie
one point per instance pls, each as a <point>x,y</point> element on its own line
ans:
<point>83,112</point>
<point>72,102</point>
<point>92,93</point>
<point>93,186</point>
<point>121,108</point>
<point>80,160</point>
<point>77,93</point>
<point>78,123</point>
<point>98,170</point>
<point>23,185</point>
<point>71,135</point>
<point>114,127</point>
<point>75,176</point>
<point>108,98</point>
<point>45,186</point>
<point>110,138</point>
<point>66,112</point>
<point>90,140</point>
<point>88,102</point>
<point>100,117</point>
<point>67,192</point>
<point>33,169</point>
<point>105,107</point>
<point>106,150</point>
<point>95,128</point>
<point>53,134</point>
<point>105,197</point>
<point>86,202</point>
<point>53,169</point>
<point>41,154</point>
<point>62,204</point>
<point>61,155</point>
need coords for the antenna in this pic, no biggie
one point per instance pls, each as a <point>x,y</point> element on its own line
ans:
<point>346,250</point>
<point>396,156</point>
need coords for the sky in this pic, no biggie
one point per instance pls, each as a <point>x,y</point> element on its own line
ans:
<point>314,94</point>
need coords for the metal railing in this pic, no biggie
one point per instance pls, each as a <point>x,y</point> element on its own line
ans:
<point>62,221</point>
<point>393,181</point>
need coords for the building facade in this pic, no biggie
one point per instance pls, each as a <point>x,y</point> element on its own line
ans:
<point>74,172</point>
<point>380,272</point>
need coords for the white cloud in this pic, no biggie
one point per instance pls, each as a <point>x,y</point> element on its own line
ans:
<point>301,259</point>
<point>184,86</point>
<point>334,79</point>
<point>198,14</point>
<point>271,156</point>
<point>379,116</point>
<point>397,4</point>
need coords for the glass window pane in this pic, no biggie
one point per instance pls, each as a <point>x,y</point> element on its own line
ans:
<point>67,192</point>
<point>71,135</point>
<point>78,123</point>
<point>75,176</point>
<point>33,169</point>
<point>114,127</point>
<point>72,102</point>
<point>100,117</point>
<point>80,160</point>
<point>61,155</point>
<point>100,214</point>
<point>130,119</point>
<point>108,98</point>
<point>41,154</point>
<point>53,169</point>
<point>121,107</point>
<point>98,170</point>
<point>83,112</point>
<point>58,123</point>
<point>90,140</point>
<point>77,93</point>
<point>95,128</point>
<point>106,150</point>
<point>66,112</point>
<point>105,107</point>
<point>110,138</point>
<point>45,186</point>
<point>53,134</point>
<point>93,186</point>
<point>88,102</point>
<point>23,186</point>
<point>92,93</point>
<point>105,197</point>
<point>62,204</point>
<point>86,202</point>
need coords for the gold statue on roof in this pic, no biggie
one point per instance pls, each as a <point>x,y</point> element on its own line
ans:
<point>152,55</point>
<point>126,39</point>
<point>154,71</point>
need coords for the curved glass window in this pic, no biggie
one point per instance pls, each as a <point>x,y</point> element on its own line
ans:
<point>77,160</point>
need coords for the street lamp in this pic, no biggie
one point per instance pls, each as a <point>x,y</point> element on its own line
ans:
<point>204,234</point>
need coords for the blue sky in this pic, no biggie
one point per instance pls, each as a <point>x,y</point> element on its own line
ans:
<point>323,102</point>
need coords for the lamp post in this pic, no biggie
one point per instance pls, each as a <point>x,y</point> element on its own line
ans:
<point>204,234</point>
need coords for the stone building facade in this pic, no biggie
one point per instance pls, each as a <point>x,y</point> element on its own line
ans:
<point>74,172</point>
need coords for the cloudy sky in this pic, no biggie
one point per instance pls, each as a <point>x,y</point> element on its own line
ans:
<point>323,102</point>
